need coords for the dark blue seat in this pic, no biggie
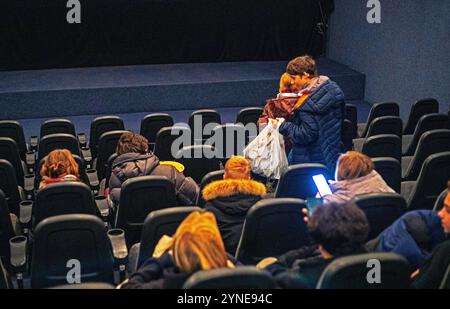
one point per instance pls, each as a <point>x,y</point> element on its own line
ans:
<point>272,227</point>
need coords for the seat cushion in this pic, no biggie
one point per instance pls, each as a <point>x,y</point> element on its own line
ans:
<point>358,144</point>
<point>361,128</point>
<point>406,161</point>
<point>406,140</point>
<point>407,189</point>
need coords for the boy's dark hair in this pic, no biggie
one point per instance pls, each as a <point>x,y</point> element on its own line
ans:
<point>301,65</point>
<point>341,229</point>
<point>132,142</point>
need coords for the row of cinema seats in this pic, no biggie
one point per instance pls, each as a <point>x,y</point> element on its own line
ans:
<point>133,220</point>
<point>272,227</point>
<point>417,149</point>
<point>148,210</point>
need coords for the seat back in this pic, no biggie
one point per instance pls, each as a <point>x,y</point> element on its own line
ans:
<point>107,145</point>
<point>206,180</point>
<point>108,170</point>
<point>5,280</point>
<point>158,223</point>
<point>380,110</point>
<point>386,125</point>
<point>199,119</point>
<point>245,277</point>
<point>58,141</point>
<point>419,109</point>
<point>10,152</point>
<point>249,115</point>
<point>271,228</point>
<point>432,180</point>
<point>152,123</point>
<point>352,272</point>
<point>198,161</point>
<point>63,198</point>
<point>13,130</point>
<point>426,123</point>
<point>390,170</point>
<point>9,186</point>
<point>101,125</point>
<point>381,209</point>
<point>228,140</point>
<point>430,142</point>
<point>445,283</point>
<point>54,126</point>
<point>139,197</point>
<point>6,228</point>
<point>166,137</point>
<point>385,145</point>
<point>77,242</point>
<point>297,181</point>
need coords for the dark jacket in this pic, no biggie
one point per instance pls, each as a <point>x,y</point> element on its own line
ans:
<point>130,165</point>
<point>315,131</point>
<point>157,273</point>
<point>301,268</point>
<point>230,201</point>
<point>433,270</point>
<point>414,236</point>
<point>160,273</point>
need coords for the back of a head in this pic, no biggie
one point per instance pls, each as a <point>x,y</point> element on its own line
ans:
<point>341,229</point>
<point>131,142</point>
<point>301,65</point>
<point>59,162</point>
<point>198,245</point>
<point>353,164</point>
<point>237,167</point>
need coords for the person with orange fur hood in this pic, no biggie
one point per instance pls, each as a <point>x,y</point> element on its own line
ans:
<point>231,198</point>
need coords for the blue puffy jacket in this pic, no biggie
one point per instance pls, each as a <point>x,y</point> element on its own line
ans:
<point>315,131</point>
<point>414,235</point>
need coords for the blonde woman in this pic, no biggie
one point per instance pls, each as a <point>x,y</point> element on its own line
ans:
<point>196,245</point>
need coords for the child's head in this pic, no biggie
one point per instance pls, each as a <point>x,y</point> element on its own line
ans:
<point>198,245</point>
<point>59,162</point>
<point>237,167</point>
<point>288,84</point>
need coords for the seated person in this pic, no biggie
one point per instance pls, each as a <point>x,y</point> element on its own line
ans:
<point>231,198</point>
<point>196,245</point>
<point>337,229</point>
<point>355,175</point>
<point>134,159</point>
<point>420,237</point>
<point>59,166</point>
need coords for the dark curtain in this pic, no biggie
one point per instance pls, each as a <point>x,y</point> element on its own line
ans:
<point>35,33</point>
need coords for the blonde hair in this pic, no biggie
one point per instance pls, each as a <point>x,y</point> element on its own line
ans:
<point>59,162</point>
<point>237,167</point>
<point>197,244</point>
<point>353,165</point>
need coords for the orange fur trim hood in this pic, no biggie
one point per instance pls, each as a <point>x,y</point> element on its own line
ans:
<point>230,187</point>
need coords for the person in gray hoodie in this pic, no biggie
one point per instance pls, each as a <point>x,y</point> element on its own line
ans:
<point>134,159</point>
<point>355,175</point>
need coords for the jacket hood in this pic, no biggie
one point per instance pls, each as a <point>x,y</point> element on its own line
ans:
<point>323,98</point>
<point>230,187</point>
<point>131,165</point>
<point>370,183</point>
